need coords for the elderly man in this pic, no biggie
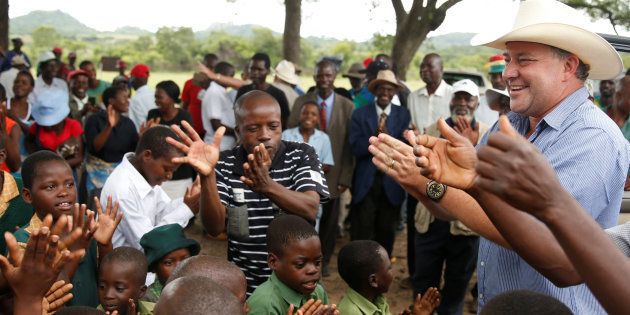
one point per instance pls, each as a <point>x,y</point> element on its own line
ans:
<point>335,112</point>
<point>550,107</point>
<point>439,242</point>
<point>247,186</point>
<point>376,199</point>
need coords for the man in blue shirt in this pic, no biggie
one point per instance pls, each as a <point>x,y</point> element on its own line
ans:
<point>550,107</point>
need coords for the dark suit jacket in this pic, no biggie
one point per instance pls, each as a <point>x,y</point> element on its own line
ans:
<point>363,126</point>
<point>341,172</point>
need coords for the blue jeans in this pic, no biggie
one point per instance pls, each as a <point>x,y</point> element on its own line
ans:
<point>438,250</point>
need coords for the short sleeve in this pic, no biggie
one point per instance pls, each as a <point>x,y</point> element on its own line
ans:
<point>308,174</point>
<point>326,151</point>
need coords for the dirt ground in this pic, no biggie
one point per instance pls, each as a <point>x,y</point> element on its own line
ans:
<point>399,295</point>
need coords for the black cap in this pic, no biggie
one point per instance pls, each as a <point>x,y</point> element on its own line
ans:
<point>374,67</point>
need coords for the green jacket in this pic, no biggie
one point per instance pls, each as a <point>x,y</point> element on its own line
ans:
<point>274,297</point>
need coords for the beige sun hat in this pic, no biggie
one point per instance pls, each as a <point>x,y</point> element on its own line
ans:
<point>383,76</point>
<point>556,24</point>
<point>285,70</point>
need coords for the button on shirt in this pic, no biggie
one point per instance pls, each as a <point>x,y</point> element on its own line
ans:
<point>143,207</point>
<point>140,104</point>
<point>296,167</point>
<point>216,104</point>
<point>590,156</point>
<point>426,109</point>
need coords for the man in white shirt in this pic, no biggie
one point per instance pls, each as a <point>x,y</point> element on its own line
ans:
<point>217,109</point>
<point>432,101</point>
<point>135,184</point>
<point>144,99</point>
<point>7,77</point>
<point>47,80</point>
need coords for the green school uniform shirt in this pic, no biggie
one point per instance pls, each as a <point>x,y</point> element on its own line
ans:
<point>85,280</point>
<point>14,211</point>
<point>274,297</point>
<point>143,308</point>
<point>355,303</point>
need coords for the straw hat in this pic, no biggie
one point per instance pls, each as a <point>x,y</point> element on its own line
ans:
<point>285,70</point>
<point>355,71</point>
<point>383,76</point>
<point>555,24</point>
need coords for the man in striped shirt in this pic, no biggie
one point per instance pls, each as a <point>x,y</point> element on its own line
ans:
<point>251,184</point>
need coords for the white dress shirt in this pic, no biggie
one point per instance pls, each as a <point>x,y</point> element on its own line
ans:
<point>426,109</point>
<point>140,104</point>
<point>216,104</point>
<point>144,207</point>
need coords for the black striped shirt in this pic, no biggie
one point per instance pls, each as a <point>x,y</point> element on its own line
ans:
<point>296,167</point>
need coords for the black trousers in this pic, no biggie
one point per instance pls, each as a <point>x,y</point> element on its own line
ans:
<point>411,234</point>
<point>436,248</point>
<point>328,228</point>
<point>375,218</point>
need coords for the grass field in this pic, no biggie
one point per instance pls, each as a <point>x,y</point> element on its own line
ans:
<point>181,77</point>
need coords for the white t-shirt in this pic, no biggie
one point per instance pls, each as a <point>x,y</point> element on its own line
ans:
<point>216,104</point>
<point>140,104</point>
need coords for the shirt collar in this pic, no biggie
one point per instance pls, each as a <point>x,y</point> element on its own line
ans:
<point>329,100</point>
<point>81,100</point>
<point>35,223</point>
<point>557,116</point>
<point>241,157</point>
<point>440,91</point>
<point>365,305</point>
<point>387,110</point>
<point>135,177</point>
<point>289,295</point>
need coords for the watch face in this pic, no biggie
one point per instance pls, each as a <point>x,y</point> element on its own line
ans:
<point>435,190</point>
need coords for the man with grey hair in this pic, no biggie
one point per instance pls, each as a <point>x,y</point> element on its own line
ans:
<point>548,58</point>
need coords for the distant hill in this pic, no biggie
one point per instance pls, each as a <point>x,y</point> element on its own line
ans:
<point>64,23</point>
<point>448,40</point>
<point>131,30</point>
<point>245,30</point>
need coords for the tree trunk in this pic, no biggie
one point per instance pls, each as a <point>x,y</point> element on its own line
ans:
<point>291,37</point>
<point>4,25</point>
<point>405,47</point>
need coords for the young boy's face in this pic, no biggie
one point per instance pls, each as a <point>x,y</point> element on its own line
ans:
<point>167,264</point>
<point>384,275</point>
<point>157,170</point>
<point>299,265</point>
<point>117,284</point>
<point>52,190</point>
<point>309,116</point>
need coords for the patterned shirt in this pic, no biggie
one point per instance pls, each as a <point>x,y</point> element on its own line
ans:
<point>590,156</point>
<point>296,167</point>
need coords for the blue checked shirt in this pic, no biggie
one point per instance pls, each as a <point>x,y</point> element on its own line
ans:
<point>590,156</point>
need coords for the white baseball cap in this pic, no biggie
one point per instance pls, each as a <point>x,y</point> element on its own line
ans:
<point>467,86</point>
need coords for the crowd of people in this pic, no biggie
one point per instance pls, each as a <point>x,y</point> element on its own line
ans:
<point>521,181</point>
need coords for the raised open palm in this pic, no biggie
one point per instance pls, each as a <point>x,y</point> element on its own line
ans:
<point>201,156</point>
<point>450,161</point>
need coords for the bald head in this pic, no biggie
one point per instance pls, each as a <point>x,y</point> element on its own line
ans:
<point>254,100</point>
<point>258,121</point>
<point>218,269</point>
<point>196,295</point>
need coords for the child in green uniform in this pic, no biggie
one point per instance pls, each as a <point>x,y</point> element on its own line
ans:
<point>49,188</point>
<point>121,280</point>
<point>295,258</point>
<point>165,247</point>
<point>365,266</point>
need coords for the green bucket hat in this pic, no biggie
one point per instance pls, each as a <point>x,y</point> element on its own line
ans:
<point>164,239</point>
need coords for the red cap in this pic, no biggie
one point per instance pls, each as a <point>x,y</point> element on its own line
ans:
<point>74,73</point>
<point>367,61</point>
<point>140,71</point>
<point>497,57</point>
<point>57,50</point>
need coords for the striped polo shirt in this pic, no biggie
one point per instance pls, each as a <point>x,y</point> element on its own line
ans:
<point>296,167</point>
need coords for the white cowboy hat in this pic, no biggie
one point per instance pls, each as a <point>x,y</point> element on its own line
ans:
<point>556,24</point>
<point>285,70</point>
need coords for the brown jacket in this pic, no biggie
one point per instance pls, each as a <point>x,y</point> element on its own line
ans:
<point>341,172</point>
